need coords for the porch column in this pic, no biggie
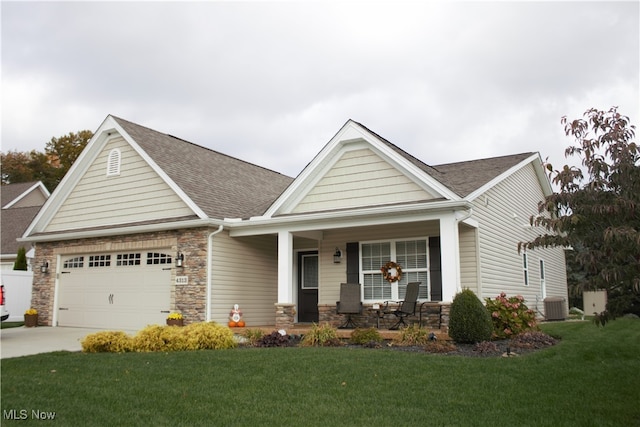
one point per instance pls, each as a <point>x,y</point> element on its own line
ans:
<point>285,267</point>
<point>450,256</point>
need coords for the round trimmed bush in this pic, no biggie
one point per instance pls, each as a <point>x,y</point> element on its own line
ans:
<point>469,320</point>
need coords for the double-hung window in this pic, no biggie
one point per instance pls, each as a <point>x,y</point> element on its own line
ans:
<point>412,256</point>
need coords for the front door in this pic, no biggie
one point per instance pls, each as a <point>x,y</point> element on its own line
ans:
<point>308,286</point>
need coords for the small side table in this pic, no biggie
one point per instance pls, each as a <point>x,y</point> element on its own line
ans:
<point>376,310</point>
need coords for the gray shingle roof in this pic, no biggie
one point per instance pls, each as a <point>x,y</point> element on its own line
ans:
<point>11,191</point>
<point>463,178</point>
<point>222,186</point>
<point>14,223</point>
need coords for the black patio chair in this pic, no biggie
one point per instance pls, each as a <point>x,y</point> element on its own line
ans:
<point>349,304</point>
<point>404,308</point>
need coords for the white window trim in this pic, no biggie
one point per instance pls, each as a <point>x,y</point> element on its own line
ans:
<point>543,278</point>
<point>113,162</point>
<point>393,256</point>
<point>525,268</point>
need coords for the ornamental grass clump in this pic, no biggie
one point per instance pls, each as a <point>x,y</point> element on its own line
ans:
<point>107,342</point>
<point>411,336</point>
<point>321,336</point>
<point>469,320</point>
<point>365,336</point>
<point>510,316</point>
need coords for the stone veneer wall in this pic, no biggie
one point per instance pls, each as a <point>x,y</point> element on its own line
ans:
<point>189,299</point>
<point>430,317</point>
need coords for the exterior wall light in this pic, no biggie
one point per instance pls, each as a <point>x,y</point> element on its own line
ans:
<point>44,268</point>
<point>180,260</point>
<point>337,256</point>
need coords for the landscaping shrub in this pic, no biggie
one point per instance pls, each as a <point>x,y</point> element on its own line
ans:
<point>106,342</point>
<point>533,339</point>
<point>412,335</point>
<point>440,346</point>
<point>208,336</point>
<point>366,336</point>
<point>321,336</point>
<point>510,316</point>
<point>486,347</point>
<point>253,336</point>
<point>469,320</point>
<point>274,339</point>
<point>160,338</point>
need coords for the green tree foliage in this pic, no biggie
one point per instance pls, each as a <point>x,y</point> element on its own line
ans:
<point>596,209</point>
<point>21,260</point>
<point>48,167</point>
<point>469,320</point>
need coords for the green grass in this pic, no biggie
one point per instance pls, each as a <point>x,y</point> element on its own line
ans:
<point>7,325</point>
<point>589,379</point>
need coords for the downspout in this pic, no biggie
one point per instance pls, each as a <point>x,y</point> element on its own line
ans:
<point>209,272</point>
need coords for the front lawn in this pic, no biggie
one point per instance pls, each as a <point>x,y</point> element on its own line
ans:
<point>589,379</point>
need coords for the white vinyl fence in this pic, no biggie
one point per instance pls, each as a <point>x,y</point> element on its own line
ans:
<point>17,288</point>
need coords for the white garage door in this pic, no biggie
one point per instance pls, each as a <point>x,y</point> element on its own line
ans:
<point>116,290</point>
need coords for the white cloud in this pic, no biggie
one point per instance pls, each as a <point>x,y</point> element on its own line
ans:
<point>271,82</point>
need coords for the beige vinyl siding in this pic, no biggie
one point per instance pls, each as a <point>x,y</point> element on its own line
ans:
<point>136,194</point>
<point>360,178</point>
<point>468,258</point>
<point>503,213</point>
<point>245,272</point>
<point>331,275</point>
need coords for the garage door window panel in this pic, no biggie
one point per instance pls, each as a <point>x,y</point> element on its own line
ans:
<point>77,262</point>
<point>99,261</point>
<point>125,260</point>
<point>158,258</point>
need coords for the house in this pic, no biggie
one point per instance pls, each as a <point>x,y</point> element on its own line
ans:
<point>145,223</point>
<point>20,204</point>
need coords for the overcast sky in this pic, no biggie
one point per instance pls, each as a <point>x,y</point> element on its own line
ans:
<point>272,82</point>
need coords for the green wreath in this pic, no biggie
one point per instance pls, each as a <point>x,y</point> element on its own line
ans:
<point>386,272</point>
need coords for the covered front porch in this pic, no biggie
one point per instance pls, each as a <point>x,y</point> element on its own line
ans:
<point>315,257</point>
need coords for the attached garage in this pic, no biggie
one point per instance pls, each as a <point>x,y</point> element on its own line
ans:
<point>120,290</point>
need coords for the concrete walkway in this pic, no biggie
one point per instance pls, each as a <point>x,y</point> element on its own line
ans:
<point>16,342</point>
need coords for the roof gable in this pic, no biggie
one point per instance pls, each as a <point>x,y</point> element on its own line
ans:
<point>23,194</point>
<point>209,184</point>
<point>355,138</point>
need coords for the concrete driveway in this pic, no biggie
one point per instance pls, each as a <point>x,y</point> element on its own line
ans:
<point>16,342</point>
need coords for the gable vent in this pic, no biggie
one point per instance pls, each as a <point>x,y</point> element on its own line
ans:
<point>113,163</point>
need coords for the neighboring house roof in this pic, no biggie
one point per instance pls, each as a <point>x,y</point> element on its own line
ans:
<point>15,216</point>
<point>14,222</point>
<point>221,185</point>
<point>12,194</point>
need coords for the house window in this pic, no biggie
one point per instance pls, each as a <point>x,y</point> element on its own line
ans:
<point>99,261</point>
<point>543,285</point>
<point>77,262</point>
<point>411,255</point>
<point>113,162</point>
<point>158,258</point>
<point>525,269</point>
<point>309,271</point>
<point>123,260</point>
